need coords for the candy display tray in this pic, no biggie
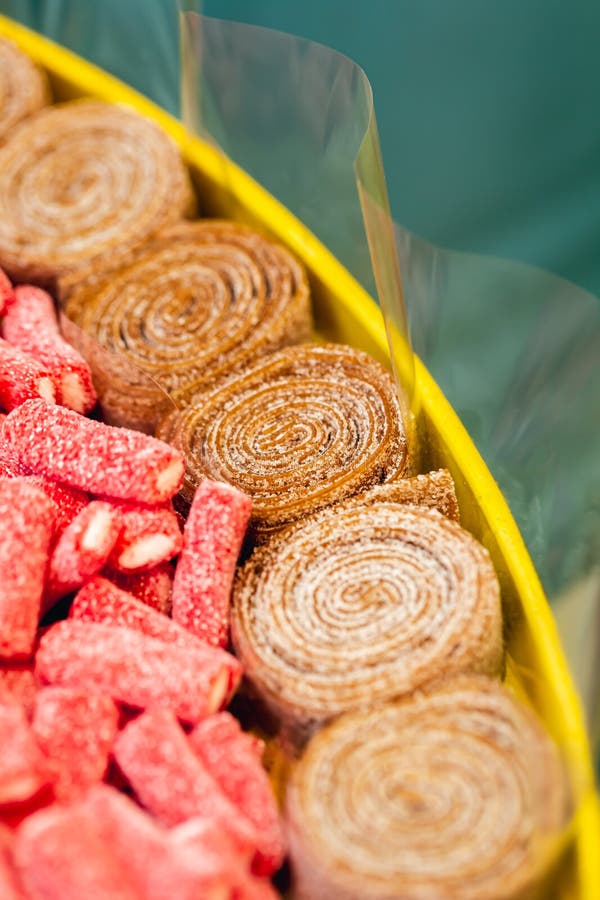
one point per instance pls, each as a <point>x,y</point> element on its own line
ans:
<point>536,668</point>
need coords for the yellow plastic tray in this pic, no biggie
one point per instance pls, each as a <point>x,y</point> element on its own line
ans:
<point>344,312</point>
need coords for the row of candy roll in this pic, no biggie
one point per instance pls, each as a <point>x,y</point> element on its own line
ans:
<point>24,88</point>
<point>35,360</point>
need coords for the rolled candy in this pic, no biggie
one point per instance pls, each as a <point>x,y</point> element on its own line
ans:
<point>149,536</point>
<point>152,587</point>
<point>74,187</point>
<point>22,377</point>
<point>136,669</point>
<point>86,454</point>
<point>362,604</point>
<point>453,792</point>
<point>23,87</point>
<point>31,325</point>
<point>199,301</point>
<point>302,429</point>
<point>433,489</point>
<point>28,519</point>
<point>22,769</point>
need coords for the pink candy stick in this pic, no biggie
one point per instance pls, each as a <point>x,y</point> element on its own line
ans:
<point>232,762</point>
<point>30,324</point>
<point>61,856</point>
<point>81,550</point>
<point>75,731</point>
<point>22,771</point>
<point>170,780</point>
<point>137,670</point>
<point>150,535</point>
<point>6,292</point>
<point>86,454</point>
<point>152,587</point>
<point>160,866</point>
<point>10,889</point>
<point>28,520</point>
<point>22,378</point>
<point>212,539</point>
<point>18,685</point>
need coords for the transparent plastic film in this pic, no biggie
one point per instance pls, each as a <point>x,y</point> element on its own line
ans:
<point>516,351</point>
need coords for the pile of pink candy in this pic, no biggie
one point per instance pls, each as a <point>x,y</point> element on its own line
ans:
<point>120,775</point>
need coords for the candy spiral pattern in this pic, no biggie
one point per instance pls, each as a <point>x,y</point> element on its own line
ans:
<point>359,605</point>
<point>303,428</point>
<point>456,793</point>
<point>200,300</point>
<point>23,87</point>
<point>79,181</point>
<point>433,489</point>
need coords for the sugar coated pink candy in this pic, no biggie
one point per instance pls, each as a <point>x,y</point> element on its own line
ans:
<point>60,855</point>
<point>89,455</point>
<point>152,587</point>
<point>28,520</point>
<point>10,889</point>
<point>75,731</point>
<point>22,378</point>
<point>149,535</point>
<point>6,292</point>
<point>137,670</point>
<point>30,323</point>
<point>212,540</point>
<point>18,684</point>
<point>170,780</point>
<point>22,771</point>
<point>100,600</point>
<point>82,549</point>
<point>233,764</point>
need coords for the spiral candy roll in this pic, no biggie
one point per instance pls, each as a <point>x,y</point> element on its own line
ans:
<point>81,180</point>
<point>301,429</point>
<point>359,605</point>
<point>23,87</point>
<point>197,302</point>
<point>455,793</point>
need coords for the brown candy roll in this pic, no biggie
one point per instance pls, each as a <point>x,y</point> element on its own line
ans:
<point>433,489</point>
<point>456,793</point>
<point>303,428</point>
<point>23,87</point>
<point>79,181</point>
<point>196,303</point>
<point>359,605</point>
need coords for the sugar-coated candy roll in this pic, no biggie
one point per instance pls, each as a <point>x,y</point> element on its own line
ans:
<point>22,377</point>
<point>455,792</point>
<point>81,550</point>
<point>6,292</point>
<point>75,731</point>
<point>75,188</point>
<point>433,489</point>
<point>31,325</point>
<point>136,669</point>
<point>303,428</point>
<point>58,443</point>
<point>22,769</point>
<point>152,587</point>
<point>24,87</point>
<point>149,536</point>
<point>212,540</point>
<point>69,501</point>
<point>18,684</point>
<point>28,519</point>
<point>200,300</point>
<point>60,855</point>
<point>362,604</point>
<point>10,888</point>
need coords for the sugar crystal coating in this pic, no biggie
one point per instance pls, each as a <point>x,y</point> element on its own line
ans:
<point>235,767</point>
<point>82,549</point>
<point>149,536</point>
<point>22,378</point>
<point>30,323</point>
<point>10,889</point>
<point>28,520</point>
<point>135,669</point>
<point>22,770</point>
<point>6,291</point>
<point>18,684</point>
<point>89,455</point>
<point>153,587</point>
<point>60,855</point>
<point>75,731</point>
<point>212,539</point>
